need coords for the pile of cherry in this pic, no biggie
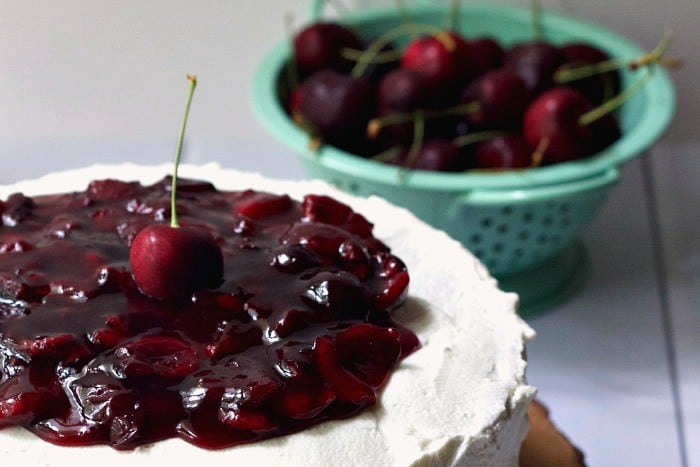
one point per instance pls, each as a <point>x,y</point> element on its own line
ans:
<point>445,102</point>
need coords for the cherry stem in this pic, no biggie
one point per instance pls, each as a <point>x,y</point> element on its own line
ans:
<point>418,137</point>
<point>178,153</point>
<point>410,28</point>
<point>381,57</point>
<point>538,154</point>
<point>453,14</point>
<point>375,125</point>
<point>536,12</point>
<point>387,155</point>
<point>315,140</point>
<point>403,12</point>
<point>611,104</point>
<point>477,137</point>
<point>567,74</point>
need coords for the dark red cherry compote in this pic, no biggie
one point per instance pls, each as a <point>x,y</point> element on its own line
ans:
<point>297,329</point>
<point>251,316</point>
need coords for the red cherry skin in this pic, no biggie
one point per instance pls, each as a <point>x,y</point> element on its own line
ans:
<point>338,106</point>
<point>171,263</point>
<point>441,68</point>
<point>502,153</point>
<point>318,47</point>
<point>487,54</point>
<point>554,117</point>
<point>435,154</point>
<point>535,62</point>
<point>502,97</point>
<point>598,87</point>
<point>401,90</point>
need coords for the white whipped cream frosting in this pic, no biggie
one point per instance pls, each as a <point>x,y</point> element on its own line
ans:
<point>461,399</point>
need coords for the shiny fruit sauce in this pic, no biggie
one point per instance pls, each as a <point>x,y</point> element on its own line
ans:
<point>298,331</point>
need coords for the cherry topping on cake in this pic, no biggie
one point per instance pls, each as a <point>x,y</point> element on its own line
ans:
<point>296,330</point>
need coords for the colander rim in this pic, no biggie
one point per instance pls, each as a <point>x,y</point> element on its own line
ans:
<point>656,116</point>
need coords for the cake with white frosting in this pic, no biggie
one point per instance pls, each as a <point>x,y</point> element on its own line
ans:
<point>460,399</point>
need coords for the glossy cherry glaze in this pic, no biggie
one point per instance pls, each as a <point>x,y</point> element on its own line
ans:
<point>299,330</point>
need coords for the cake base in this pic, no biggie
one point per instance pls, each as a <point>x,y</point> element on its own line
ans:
<point>545,445</point>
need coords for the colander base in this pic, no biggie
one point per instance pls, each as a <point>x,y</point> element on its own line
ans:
<point>550,283</point>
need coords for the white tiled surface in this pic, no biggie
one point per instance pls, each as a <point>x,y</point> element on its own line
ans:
<point>91,82</point>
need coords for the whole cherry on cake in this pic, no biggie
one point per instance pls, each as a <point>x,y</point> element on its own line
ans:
<point>170,262</point>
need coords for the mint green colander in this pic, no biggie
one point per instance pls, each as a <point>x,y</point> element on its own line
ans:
<point>522,224</point>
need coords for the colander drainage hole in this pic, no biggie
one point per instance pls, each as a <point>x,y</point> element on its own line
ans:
<point>476,239</point>
<point>565,222</point>
<point>523,235</point>
<point>486,222</point>
<point>542,239</point>
<point>502,228</point>
<point>497,247</point>
<point>507,210</point>
<point>354,187</point>
<point>527,217</point>
<point>547,221</point>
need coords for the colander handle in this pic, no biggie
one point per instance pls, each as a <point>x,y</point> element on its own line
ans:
<point>519,196</point>
<point>317,9</point>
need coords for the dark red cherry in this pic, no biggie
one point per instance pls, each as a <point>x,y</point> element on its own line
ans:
<point>606,131</point>
<point>402,90</point>
<point>596,88</point>
<point>466,56</point>
<point>487,54</point>
<point>503,152</point>
<point>502,97</point>
<point>171,263</point>
<point>435,154</point>
<point>535,62</point>
<point>441,66</point>
<point>318,47</point>
<point>338,106</point>
<point>553,120</point>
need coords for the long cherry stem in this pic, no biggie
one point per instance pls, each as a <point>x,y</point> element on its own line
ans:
<point>410,28</point>
<point>611,104</point>
<point>375,125</point>
<point>655,56</point>
<point>178,152</point>
<point>477,137</point>
<point>536,12</point>
<point>453,14</point>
